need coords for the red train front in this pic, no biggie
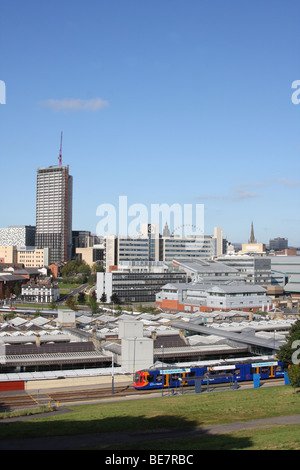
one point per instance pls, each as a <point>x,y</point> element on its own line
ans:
<point>140,379</point>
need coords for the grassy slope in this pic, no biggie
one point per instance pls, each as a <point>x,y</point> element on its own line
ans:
<point>167,412</point>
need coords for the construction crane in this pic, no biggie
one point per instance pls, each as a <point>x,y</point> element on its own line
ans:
<point>60,151</point>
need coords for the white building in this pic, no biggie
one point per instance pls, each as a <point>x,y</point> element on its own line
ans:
<point>136,351</point>
<point>195,296</point>
<point>40,292</point>
<point>145,246</point>
<point>149,245</point>
<point>188,247</point>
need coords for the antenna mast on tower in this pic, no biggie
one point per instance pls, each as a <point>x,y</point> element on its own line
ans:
<point>60,151</point>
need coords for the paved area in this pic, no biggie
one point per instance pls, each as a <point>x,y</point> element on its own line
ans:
<point>91,440</point>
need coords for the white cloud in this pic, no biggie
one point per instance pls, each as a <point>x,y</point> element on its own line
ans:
<point>242,191</point>
<point>70,105</point>
<point>238,195</point>
<point>288,182</point>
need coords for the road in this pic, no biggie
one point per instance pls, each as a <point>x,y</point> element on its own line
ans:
<point>72,293</point>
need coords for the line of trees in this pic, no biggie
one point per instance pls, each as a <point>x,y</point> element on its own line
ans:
<point>289,353</point>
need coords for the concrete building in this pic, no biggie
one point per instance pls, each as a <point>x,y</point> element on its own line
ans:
<point>205,297</point>
<point>149,245</point>
<point>137,354</point>
<point>199,270</point>
<point>33,257</point>
<point>133,249</point>
<point>252,246</point>
<point>66,318</point>
<point>91,255</point>
<point>110,252</point>
<point>8,255</point>
<point>188,247</point>
<point>253,269</point>
<point>136,351</point>
<point>278,244</point>
<point>54,212</point>
<point>218,235</point>
<point>29,256</point>
<point>290,267</point>
<point>145,267</point>
<point>139,284</point>
<point>145,246</point>
<point>123,248</point>
<point>17,235</point>
<point>84,239</point>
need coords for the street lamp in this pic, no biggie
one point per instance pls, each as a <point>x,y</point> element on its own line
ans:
<point>112,373</point>
<point>162,353</point>
<point>135,338</point>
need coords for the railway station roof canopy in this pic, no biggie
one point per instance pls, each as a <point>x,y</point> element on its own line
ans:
<point>247,336</point>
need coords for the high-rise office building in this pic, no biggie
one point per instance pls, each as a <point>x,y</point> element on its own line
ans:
<point>54,212</point>
<point>278,244</point>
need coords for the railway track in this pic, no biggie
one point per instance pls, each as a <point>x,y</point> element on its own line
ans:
<point>16,402</point>
<point>24,400</point>
<point>80,395</point>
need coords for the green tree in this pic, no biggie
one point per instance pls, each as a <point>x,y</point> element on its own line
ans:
<point>93,305</point>
<point>37,312</point>
<point>17,290</point>
<point>52,305</point>
<point>91,280</point>
<point>115,299</point>
<point>285,353</point>
<point>103,298</point>
<point>70,268</point>
<point>84,268</point>
<point>81,298</point>
<point>70,302</point>
<point>294,376</point>
<point>75,267</point>
<point>93,295</point>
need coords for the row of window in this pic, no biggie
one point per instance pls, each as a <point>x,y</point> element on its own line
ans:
<point>177,376</point>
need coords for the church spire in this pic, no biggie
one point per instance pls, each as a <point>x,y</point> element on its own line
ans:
<point>166,231</point>
<point>252,238</point>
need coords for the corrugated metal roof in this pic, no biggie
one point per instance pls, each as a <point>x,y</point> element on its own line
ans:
<point>245,338</point>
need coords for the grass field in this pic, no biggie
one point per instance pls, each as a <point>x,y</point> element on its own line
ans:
<point>178,412</point>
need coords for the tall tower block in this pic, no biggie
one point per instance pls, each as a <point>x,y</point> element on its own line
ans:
<point>54,211</point>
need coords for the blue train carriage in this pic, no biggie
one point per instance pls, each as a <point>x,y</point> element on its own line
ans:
<point>245,371</point>
<point>268,370</point>
<point>150,379</point>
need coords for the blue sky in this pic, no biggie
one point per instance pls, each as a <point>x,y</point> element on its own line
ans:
<point>163,101</point>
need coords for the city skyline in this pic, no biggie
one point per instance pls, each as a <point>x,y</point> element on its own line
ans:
<point>162,103</point>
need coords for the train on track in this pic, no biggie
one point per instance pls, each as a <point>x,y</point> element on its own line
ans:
<point>235,370</point>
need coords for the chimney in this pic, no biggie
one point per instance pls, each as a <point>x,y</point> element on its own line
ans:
<point>38,340</point>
